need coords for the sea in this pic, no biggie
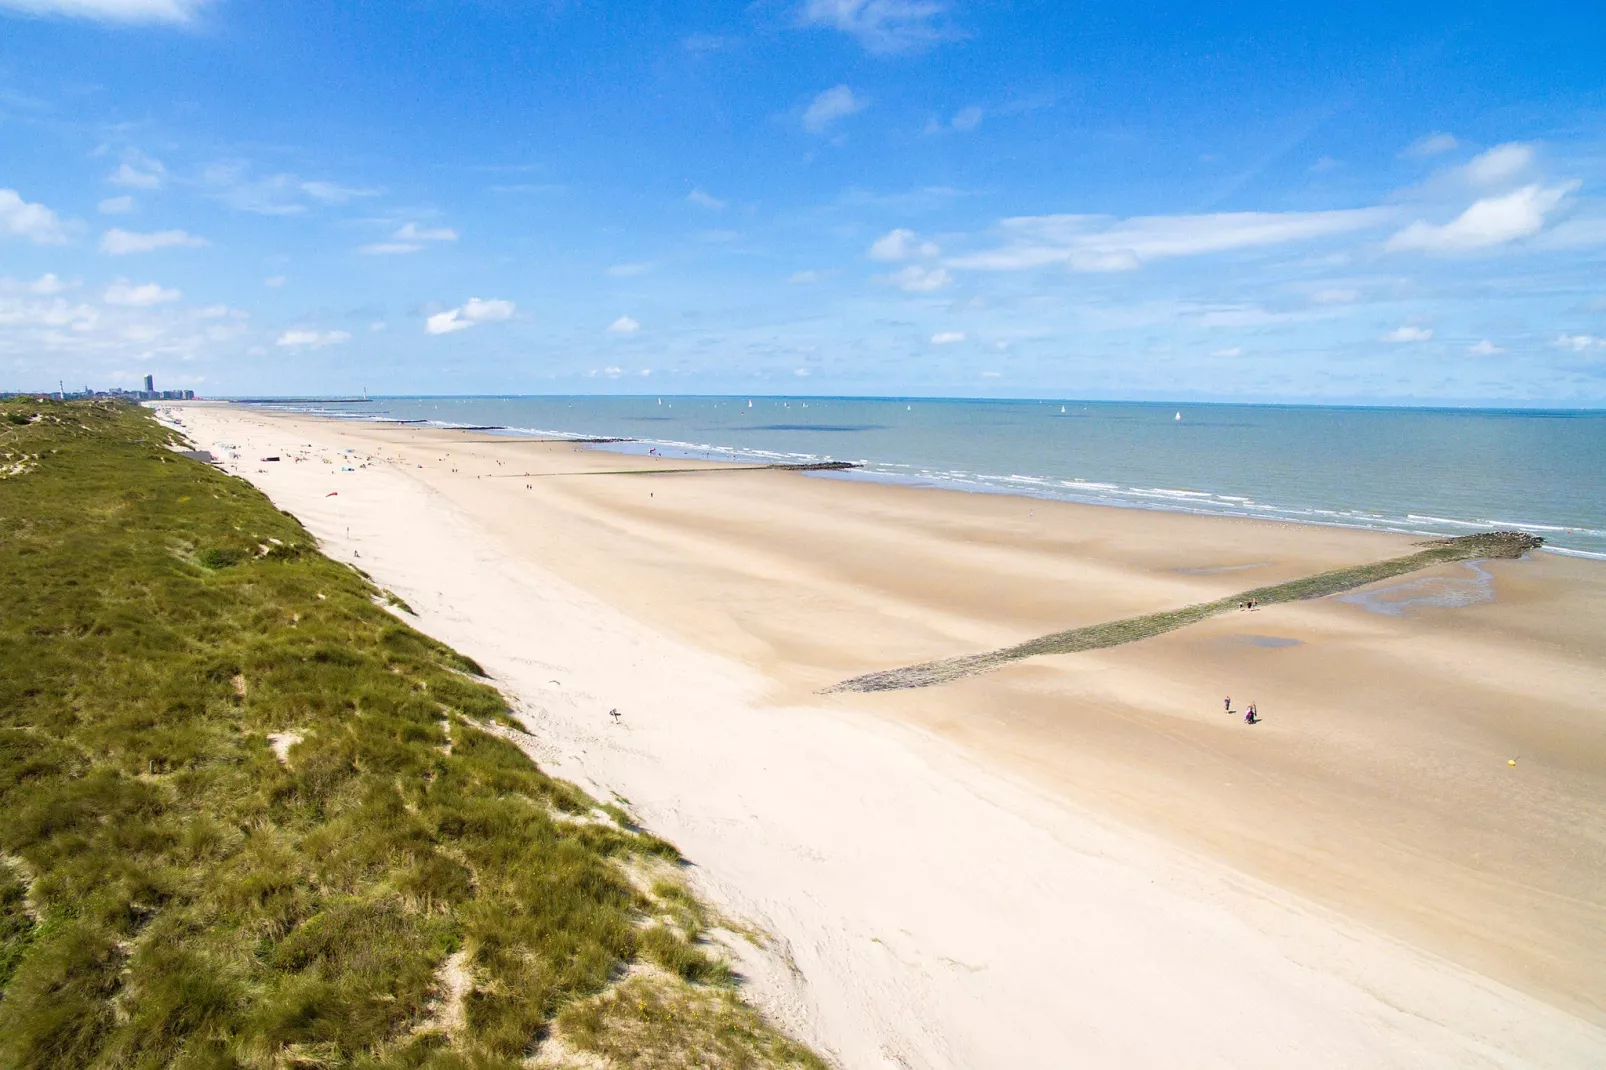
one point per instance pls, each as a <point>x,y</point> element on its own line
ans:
<point>1412,470</point>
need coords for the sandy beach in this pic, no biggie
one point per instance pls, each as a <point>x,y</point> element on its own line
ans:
<point>1074,860</point>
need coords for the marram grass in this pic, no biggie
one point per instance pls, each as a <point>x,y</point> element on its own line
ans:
<point>173,895</point>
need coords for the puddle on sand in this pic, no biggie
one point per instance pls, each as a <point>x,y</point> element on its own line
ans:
<point>1437,592</point>
<point>1269,640</point>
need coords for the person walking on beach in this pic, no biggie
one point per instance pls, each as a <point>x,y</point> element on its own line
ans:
<point>1251,717</point>
<point>1227,702</point>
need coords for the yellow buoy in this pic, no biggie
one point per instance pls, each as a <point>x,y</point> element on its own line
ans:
<point>1511,761</point>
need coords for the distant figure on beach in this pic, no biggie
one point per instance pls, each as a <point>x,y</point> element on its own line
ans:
<point>1227,703</point>
<point>1251,717</point>
<point>615,715</point>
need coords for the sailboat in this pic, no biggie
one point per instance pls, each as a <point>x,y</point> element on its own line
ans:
<point>1062,410</point>
<point>1179,416</point>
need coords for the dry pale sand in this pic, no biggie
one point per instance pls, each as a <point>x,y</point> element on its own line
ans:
<point>1077,860</point>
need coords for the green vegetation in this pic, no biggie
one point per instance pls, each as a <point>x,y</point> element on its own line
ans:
<point>250,819</point>
<point>1489,544</point>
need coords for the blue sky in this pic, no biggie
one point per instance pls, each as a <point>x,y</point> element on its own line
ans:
<point>1367,203</point>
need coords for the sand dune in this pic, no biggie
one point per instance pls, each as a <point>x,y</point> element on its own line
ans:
<point>1073,860</point>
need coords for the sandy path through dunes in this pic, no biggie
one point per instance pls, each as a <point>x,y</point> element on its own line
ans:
<point>938,910</point>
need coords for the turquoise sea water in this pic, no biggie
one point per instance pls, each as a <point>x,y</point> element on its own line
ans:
<point>1429,471</point>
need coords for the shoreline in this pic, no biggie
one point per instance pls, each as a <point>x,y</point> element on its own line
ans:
<point>1302,834</point>
<point>1038,488</point>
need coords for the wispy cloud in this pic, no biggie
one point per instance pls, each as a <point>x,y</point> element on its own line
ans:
<point>123,292</point>
<point>138,171</point>
<point>30,221</point>
<point>947,338</point>
<point>1485,348</point>
<point>128,11</point>
<point>963,121</point>
<point>409,238</point>
<point>302,338</point>
<point>1409,333</point>
<point>626,270</point>
<point>1101,243</point>
<point>703,199</point>
<point>624,325</point>
<point>471,314</point>
<point>280,194</point>
<point>825,109</point>
<point>1431,145</point>
<point>1500,164</point>
<point>116,205</point>
<point>881,26</point>
<point>119,242</point>
<point>1488,222</point>
<point>917,279</point>
<point>901,244</point>
<point>1580,343</point>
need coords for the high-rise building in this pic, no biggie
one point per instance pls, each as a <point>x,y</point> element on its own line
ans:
<point>150,384</point>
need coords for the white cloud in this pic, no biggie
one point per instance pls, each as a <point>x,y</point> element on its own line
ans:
<point>1579,343</point>
<point>1102,243</point>
<point>175,11</point>
<point>804,278</point>
<point>413,232</point>
<point>409,238</point>
<point>334,192</point>
<point>118,242</point>
<point>281,194</point>
<point>623,271</point>
<point>966,119</point>
<point>35,222</point>
<point>1488,222</point>
<point>703,199</point>
<point>1431,145</point>
<point>1499,164</point>
<point>901,244</point>
<point>881,26</point>
<point>46,285</point>
<point>947,338</point>
<point>471,314</point>
<point>1484,348</point>
<point>624,325</point>
<point>916,279</point>
<point>123,292</point>
<point>835,103</point>
<point>1408,333</point>
<point>116,205</point>
<point>138,171</point>
<point>1230,351</point>
<point>1336,296</point>
<point>309,339</point>
<point>273,282</point>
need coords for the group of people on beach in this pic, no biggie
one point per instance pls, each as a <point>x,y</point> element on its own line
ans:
<point>1251,715</point>
<point>1249,604</point>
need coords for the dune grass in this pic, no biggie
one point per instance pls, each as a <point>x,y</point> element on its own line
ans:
<point>1490,544</point>
<point>172,894</point>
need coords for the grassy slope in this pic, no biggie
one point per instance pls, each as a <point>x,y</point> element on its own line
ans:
<point>1489,544</point>
<point>172,895</point>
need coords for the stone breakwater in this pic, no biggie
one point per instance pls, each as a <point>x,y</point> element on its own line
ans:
<point>1482,546</point>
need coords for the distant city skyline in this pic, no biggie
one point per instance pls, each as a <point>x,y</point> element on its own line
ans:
<point>858,197</point>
